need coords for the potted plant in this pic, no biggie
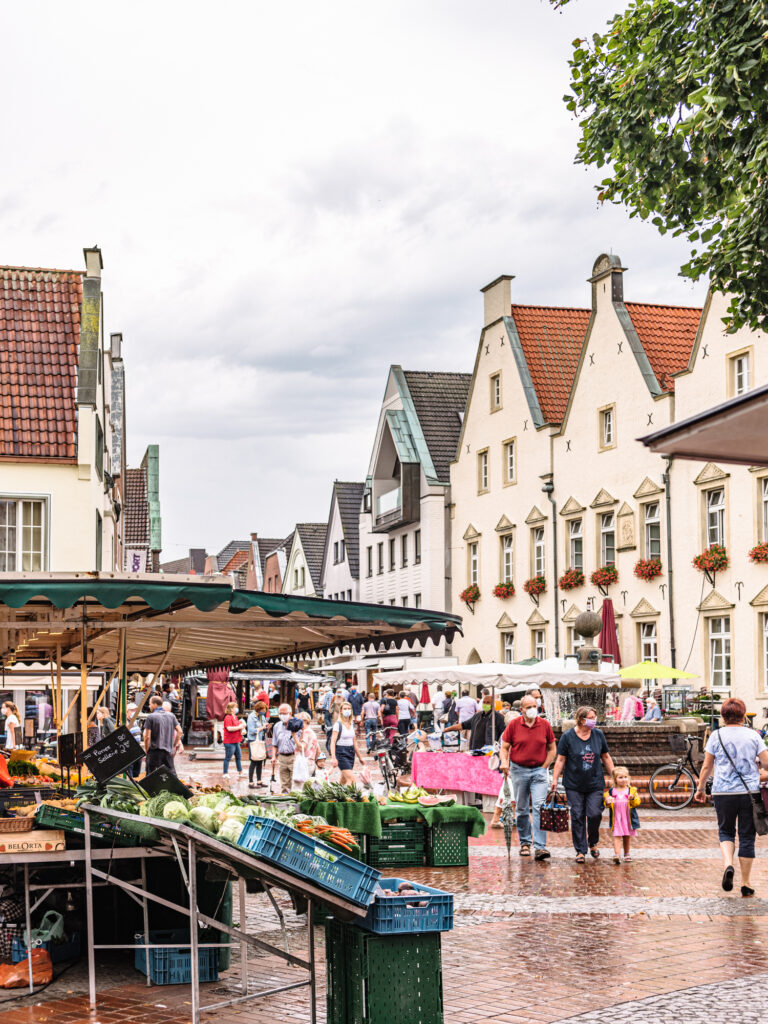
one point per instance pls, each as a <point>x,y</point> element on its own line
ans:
<point>712,561</point>
<point>504,590</point>
<point>571,579</point>
<point>535,586</point>
<point>759,553</point>
<point>648,568</point>
<point>469,595</point>
<point>603,577</point>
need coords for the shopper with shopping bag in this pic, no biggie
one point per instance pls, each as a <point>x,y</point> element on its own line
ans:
<point>257,742</point>
<point>582,760</point>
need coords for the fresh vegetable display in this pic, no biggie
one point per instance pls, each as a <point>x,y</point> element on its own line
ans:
<point>332,792</point>
<point>319,828</point>
<point>119,794</point>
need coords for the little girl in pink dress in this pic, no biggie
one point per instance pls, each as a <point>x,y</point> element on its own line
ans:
<point>620,799</point>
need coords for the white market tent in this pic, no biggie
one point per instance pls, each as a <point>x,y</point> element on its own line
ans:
<point>551,672</point>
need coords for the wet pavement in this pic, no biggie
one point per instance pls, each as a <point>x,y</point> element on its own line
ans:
<point>653,940</point>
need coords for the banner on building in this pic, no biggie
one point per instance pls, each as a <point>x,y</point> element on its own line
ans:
<point>136,560</point>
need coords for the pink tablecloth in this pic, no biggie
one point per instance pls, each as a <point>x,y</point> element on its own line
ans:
<point>455,772</point>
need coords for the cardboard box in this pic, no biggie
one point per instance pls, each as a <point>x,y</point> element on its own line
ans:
<point>38,840</point>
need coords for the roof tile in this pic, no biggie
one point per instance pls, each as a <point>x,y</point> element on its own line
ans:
<point>39,341</point>
<point>439,400</point>
<point>551,338</point>
<point>667,333</point>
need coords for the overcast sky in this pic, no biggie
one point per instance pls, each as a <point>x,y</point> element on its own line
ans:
<point>290,197</point>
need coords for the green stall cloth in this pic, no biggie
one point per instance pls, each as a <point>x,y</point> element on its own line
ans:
<point>438,815</point>
<point>360,818</point>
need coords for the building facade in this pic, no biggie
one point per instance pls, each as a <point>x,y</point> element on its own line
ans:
<point>551,482</point>
<point>59,503</point>
<point>340,575</point>
<point>304,564</point>
<point>404,526</point>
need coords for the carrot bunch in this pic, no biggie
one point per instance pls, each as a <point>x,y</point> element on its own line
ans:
<point>340,837</point>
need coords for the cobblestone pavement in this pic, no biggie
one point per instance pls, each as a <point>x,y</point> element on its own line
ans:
<point>653,940</point>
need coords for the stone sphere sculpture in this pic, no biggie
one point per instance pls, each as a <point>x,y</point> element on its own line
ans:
<point>588,624</point>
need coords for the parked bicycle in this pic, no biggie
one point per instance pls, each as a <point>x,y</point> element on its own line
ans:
<point>672,785</point>
<point>392,754</point>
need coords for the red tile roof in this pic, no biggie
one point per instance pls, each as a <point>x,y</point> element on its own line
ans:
<point>667,334</point>
<point>551,339</point>
<point>238,559</point>
<point>39,339</point>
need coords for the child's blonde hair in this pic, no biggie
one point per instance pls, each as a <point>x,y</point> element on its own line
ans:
<point>619,769</point>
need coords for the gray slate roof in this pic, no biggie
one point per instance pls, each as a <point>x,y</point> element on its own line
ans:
<point>439,400</point>
<point>312,536</point>
<point>136,511</point>
<point>350,498</point>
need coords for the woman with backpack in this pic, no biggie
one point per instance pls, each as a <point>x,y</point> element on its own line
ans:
<point>345,745</point>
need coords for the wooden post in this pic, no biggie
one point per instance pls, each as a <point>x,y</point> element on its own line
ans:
<point>155,674</point>
<point>103,694</point>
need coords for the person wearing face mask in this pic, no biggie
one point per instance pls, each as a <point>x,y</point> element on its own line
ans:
<point>535,692</point>
<point>528,748</point>
<point>286,742</point>
<point>582,760</point>
<point>484,727</point>
<point>345,745</point>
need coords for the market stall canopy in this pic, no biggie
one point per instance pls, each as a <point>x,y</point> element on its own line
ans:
<point>188,621</point>
<point>552,672</point>
<point>652,670</point>
<point>735,431</point>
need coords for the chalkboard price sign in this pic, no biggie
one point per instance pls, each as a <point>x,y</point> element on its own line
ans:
<point>112,755</point>
<point>163,778</point>
<point>70,749</point>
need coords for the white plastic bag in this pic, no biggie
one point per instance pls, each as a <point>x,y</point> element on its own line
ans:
<point>300,769</point>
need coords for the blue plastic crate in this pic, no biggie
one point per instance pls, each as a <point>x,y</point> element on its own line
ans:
<point>59,951</point>
<point>171,965</point>
<point>315,861</point>
<point>431,911</point>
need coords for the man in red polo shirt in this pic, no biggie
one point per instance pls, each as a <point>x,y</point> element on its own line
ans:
<point>528,748</point>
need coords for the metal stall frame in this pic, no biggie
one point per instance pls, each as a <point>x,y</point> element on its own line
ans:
<point>186,844</point>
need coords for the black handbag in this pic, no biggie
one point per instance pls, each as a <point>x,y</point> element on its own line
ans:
<point>759,816</point>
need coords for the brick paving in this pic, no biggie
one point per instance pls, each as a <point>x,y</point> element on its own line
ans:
<point>654,940</point>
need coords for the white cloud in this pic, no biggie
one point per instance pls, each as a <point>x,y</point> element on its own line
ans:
<point>290,197</point>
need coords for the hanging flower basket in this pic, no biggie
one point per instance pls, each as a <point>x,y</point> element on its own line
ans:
<point>603,577</point>
<point>504,590</point>
<point>712,561</point>
<point>759,553</point>
<point>470,595</point>
<point>648,568</point>
<point>571,579</point>
<point>535,586</point>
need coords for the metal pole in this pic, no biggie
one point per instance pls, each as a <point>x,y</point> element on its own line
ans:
<point>59,722</point>
<point>89,912</point>
<point>243,944</point>
<point>28,915</point>
<point>670,579</point>
<point>311,958</point>
<point>193,925</point>
<point>145,910</point>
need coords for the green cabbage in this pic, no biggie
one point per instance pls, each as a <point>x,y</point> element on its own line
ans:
<point>241,814</point>
<point>155,806</point>
<point>206,799</point>
<point>205,817</point>
<point>231,830</point>
<point>175,811</point>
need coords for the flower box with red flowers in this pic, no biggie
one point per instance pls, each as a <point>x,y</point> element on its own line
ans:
<point>714,559</point>
<point>604,576</point>
<point>470,594</point>
<point>759,553</point>
<point>571,579</point>
<point>504,590</point>
<point>535,585</point>
<point>648,568</point>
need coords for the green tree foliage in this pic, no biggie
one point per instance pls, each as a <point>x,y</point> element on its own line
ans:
<point>673,100</point>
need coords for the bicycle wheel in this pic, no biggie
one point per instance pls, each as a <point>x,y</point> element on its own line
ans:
<point>672,787</point>
<point>389,773</point>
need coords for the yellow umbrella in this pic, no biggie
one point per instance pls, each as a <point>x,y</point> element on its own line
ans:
<point>652,670</point>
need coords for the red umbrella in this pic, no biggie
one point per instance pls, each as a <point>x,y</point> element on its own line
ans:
<point>609,640</point>
<point>425,697</point>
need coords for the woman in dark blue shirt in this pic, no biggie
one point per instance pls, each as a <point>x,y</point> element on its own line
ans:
<point>582,759</point>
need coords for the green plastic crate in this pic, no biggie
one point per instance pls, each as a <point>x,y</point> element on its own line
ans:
<point>448,845</point>
<point>128,833</point>
<point>402,844</point>
<point>378,979</point>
